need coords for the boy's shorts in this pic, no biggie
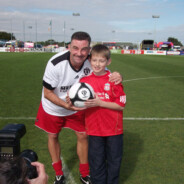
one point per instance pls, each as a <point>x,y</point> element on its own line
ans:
<point>54,124</point>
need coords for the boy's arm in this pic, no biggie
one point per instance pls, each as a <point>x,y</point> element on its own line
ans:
<point>97,102</point>
<point>118,103</point>
<point>111,105</point>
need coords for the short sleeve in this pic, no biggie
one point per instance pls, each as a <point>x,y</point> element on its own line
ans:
<point>50,78</point>
<point>119,94</point>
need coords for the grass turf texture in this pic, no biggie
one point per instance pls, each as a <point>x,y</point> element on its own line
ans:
<point>153,150</point>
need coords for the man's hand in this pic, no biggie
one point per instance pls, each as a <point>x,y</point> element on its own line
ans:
<point>70,106</point>
<point>116,78</point>
<point>42,176</point>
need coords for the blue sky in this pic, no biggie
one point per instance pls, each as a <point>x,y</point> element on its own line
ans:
<point>104,20</point>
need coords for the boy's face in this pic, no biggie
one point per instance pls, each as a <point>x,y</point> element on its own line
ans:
<point>99,63</point>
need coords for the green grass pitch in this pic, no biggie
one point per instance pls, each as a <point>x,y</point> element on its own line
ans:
<point>154,114</point>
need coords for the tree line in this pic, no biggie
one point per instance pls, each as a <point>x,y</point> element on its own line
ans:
<point>4,36</point>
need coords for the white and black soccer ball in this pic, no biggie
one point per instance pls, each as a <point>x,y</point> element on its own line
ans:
<point>79,93</point>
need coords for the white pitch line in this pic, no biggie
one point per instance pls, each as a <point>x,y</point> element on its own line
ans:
<point>153,119</point>
<point>151,78</point>
<point>125,118</point>
<point>68,175</point>
<point>17,118</point>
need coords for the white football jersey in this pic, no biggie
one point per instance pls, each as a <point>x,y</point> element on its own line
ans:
<point>59,76</point>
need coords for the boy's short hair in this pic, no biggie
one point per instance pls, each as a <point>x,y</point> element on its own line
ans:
<point>102,50</point>
<point>81,36</point>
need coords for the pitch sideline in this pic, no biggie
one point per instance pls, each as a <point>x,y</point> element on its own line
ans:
<point>125,118</point>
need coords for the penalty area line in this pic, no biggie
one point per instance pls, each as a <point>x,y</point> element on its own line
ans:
<point>147,78</point>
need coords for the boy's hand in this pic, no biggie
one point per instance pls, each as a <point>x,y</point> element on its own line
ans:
<point>93,102</point>
<point>116,78</point>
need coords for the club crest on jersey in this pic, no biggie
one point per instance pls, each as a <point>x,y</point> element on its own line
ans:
<point>107,87</point>
<point>86,71</point>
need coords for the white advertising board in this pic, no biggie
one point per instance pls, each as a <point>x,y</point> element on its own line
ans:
<point>154,52</point>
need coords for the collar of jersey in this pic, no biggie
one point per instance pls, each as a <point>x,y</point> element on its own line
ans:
<point>100,76</point>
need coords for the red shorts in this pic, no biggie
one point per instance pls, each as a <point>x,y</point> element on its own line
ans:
<point>54,124</point>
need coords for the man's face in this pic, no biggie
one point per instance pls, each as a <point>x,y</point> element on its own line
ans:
<point>79,50</point>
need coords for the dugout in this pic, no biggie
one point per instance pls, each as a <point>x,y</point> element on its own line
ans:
<point>147,45</point>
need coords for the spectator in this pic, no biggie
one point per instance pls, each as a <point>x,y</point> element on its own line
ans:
<point>15,172</point>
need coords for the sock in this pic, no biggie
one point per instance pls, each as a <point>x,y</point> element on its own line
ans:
<point>58,167</point>
<point>84,169</point>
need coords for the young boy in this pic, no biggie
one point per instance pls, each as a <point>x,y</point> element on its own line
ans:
<point>104,120</point>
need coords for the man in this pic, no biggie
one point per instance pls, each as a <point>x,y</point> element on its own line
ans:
<point>62,71</point>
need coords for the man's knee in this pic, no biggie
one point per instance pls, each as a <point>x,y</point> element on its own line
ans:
<point>53,136</point>
<point>82,137</point>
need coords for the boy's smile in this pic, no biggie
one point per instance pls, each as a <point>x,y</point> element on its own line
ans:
<point>98,64</point>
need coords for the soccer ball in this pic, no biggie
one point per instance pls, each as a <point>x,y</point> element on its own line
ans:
<point>79,93</point>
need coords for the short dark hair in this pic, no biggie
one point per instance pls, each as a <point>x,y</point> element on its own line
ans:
<point>101,49</point>
<point>13,171</point>
<point>81,36</point>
